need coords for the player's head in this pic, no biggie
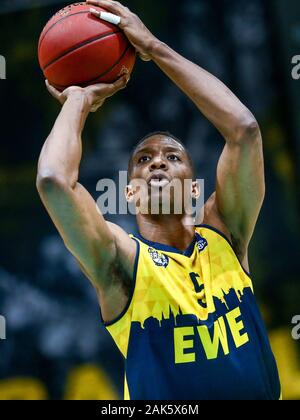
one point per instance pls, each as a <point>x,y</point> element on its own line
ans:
<point>162,162</point>
<point>161,137</point>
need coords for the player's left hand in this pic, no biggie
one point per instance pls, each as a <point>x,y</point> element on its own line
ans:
<point>94,96</point>
<point>137,33</point>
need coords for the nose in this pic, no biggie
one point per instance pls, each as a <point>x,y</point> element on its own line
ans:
<point>158,162</point>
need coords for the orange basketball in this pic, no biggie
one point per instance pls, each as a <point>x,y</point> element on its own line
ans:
<point>78,49</point>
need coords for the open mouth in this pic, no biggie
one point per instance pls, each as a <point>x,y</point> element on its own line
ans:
<point>158,181</point>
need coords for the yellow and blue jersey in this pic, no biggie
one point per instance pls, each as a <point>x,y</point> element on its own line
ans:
<point>192,329</point>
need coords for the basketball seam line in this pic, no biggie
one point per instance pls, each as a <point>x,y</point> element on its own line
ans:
<point>63,18</point>
<point>111,68</point>
<point>55,23</point>
<point>80,45</point>
<point>101,75</point>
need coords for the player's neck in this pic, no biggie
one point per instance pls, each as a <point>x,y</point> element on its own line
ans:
<point>172,230</point>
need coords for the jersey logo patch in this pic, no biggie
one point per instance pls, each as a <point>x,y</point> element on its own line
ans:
<point>159,259</point>
<point>201,243</point>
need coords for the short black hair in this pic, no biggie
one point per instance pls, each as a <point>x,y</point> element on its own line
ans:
<point>159,133</point>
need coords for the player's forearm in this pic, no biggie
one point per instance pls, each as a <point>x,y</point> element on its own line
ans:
<point>217,103</point>
<point>61,154</point>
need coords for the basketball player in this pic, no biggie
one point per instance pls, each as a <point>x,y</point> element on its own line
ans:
<point>176,298</point>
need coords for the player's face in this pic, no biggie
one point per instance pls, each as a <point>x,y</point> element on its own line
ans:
<point>161,163</point>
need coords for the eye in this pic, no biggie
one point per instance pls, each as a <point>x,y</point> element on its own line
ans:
<point>173,158</point>
<point>144,159</point>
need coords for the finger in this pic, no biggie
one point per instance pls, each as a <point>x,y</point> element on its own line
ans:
<point>54,92</point>
<point>108,89</point>
<point>110,6</point>
<point>123,79</point>
<point>119,84</point>
<point>106,16</point>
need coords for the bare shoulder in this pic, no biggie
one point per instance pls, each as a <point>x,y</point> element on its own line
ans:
<point>213,218</point>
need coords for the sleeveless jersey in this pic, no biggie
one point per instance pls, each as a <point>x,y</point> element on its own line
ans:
<point>192,329</point>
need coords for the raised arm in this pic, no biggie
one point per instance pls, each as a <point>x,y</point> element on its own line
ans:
<point>85,232</point>
<point>240,183</point>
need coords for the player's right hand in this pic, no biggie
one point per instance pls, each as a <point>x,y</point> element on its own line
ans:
<point>94,95</point>
<point>135,30</point>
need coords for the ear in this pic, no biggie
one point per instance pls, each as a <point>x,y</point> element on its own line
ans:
<point>196,191</point>
<point>129,193</point>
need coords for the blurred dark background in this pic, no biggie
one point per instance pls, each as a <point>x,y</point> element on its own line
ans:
<point>56,347</point>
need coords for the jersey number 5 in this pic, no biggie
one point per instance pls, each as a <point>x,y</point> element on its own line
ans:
<point>199,288</point>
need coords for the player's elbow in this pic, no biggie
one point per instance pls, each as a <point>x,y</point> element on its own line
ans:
<point>47,182</point>
<point>247,129</point>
